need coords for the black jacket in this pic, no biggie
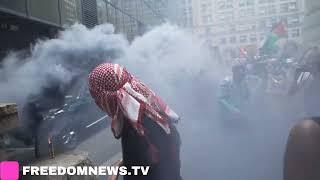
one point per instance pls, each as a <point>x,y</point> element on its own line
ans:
<point>135,151</point>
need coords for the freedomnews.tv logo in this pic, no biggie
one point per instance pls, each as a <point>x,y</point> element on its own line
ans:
<point>9,170</point>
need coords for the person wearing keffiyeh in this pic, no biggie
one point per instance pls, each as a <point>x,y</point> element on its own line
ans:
<point>145,124</point>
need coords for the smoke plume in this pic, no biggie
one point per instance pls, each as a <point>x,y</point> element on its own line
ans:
<point>178,67</point>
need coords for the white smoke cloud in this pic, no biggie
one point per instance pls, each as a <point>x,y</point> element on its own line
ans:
<point>73,53</point>
<point>177,66</point>
<point>168,56</point>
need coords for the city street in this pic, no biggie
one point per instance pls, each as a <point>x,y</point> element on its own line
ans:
<point>238,80</point>
<point>101,147</point>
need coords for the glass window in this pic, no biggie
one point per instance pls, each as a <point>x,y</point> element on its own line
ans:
<point>221,4</point>
<point>262,36</point>
<point>250,2</point>
<point>271,21</point>
<point>245,27</point>
<point>292,6</point>
<point>246,12</point>
<point>233,39</point>
<point>206,19</point>
<point>223,41</point>
<point>253,38</point>
<point>263,1</point>
<point>284,7</point>
<point>263,10</point>
<point>246,3</point>
<point>292,20</point>
<point>266,1</point>
<point>262,24</point>
<point>272,10</point>
<point>224,4</point>
<point>203,8</point>
<point>251,12</point>
<point>243,38</point>
<point>242,3</point>
<point>295,33</point>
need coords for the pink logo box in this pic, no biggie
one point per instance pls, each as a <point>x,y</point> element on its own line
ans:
<point>9,170</point>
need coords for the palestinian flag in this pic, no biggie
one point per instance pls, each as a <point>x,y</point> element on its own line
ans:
<point>270,43</point>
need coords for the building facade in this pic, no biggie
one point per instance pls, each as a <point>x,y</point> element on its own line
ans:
<point>245,23</point>
<point>187,14</point>
<point>132,17</point>
<point>22,22</point>
<point>89,13</point>
<point>311,28</point>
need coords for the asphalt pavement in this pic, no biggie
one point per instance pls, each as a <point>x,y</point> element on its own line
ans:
<point>101,147</point>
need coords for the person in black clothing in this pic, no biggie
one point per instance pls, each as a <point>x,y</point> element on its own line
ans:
<point>135,149</point>
<point>145,124</point>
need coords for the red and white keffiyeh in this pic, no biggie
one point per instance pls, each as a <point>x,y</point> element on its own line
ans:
<point>120,95</point>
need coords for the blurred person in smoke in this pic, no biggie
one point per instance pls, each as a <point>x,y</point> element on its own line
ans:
<point>145,124</point>
<point>302,157</point>
<point>234,94</point>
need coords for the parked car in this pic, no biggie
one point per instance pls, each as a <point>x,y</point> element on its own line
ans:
<point>66,126</point>
<point>74,122</point>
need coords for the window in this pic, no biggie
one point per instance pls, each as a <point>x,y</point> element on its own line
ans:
<point>263,1</point>
<point>224,4</point>
<point>208,30</point>
<point>266,1</point>
<point>243,3</point>
<point>293,20</point>
<point>225,16</point>
<point>233,39</point>
<point>272,10</point>
<point>207,19</point>
<point>263,11</point>
<point>232,28</point>
<point>292,6</point>
<point>219,29</point>
<point>271,21</point>
<point>284,8</point>
<point>250,2</point>
<point>262,36</point>
<point>243,38</point>
<point>295,33</point>
<point>284,19</point>
<point>204,19</point>
<point>253,38</point>
<point>250,12</point>
<point>246,12</point>
<point>223,41</point>
<point>221,4</point>
<point>229,5</point>
<point>262,24</point>
<point>203,8</point>
<point>242,13</point>
<point>245,27</point>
